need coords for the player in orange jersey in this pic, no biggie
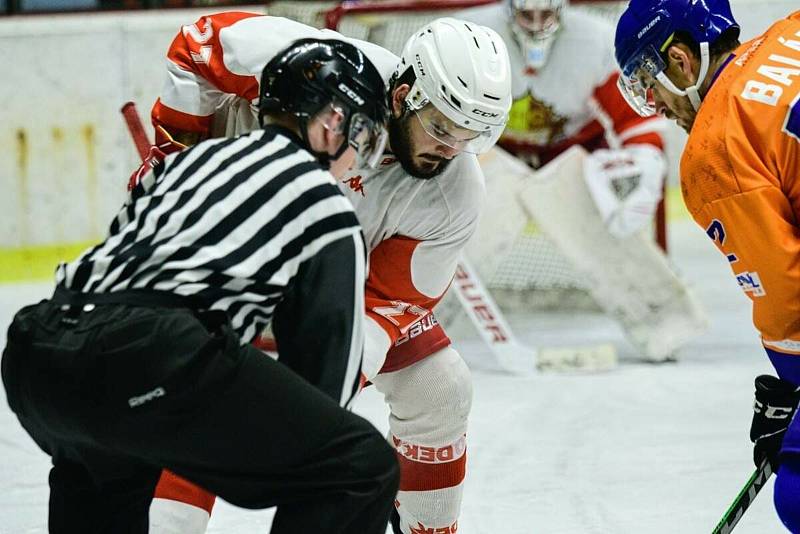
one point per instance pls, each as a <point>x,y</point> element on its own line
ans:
<point>740,177</point>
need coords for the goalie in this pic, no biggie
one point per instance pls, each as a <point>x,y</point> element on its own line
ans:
<point>590,151</point>
<point>557,105</point>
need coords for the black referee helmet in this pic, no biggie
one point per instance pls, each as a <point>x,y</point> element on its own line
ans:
<point>311,74</point>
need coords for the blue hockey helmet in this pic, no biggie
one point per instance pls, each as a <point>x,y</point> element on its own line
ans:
<point>644,32</point>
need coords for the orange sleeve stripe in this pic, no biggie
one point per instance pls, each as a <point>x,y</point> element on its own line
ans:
<point>172,487</point>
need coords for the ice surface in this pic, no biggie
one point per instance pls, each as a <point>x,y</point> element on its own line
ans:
<point>641,449</point>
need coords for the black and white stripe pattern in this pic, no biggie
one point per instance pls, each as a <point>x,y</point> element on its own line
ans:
<point>353,369</point>
<point>227,222</point>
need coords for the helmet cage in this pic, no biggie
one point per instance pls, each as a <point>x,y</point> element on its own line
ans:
<point>534,25</point>
<point>535,20</point>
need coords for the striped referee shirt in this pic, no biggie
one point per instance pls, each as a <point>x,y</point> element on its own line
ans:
<point>235,224</point>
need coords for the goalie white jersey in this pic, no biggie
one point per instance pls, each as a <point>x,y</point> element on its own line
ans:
<point>573,98</point>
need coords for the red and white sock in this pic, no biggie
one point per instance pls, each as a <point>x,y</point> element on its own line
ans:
<point>179,506</point>
<point>429,401</point>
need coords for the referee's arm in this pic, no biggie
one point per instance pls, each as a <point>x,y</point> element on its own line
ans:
<point>318,325</point>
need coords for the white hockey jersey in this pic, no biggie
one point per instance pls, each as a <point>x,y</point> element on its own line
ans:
<point>573,98</point>
<point>415,229</point>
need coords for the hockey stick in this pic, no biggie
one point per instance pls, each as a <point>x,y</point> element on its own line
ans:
<point>744,499</point>
<point>136,129</point>
<point>513,356</point>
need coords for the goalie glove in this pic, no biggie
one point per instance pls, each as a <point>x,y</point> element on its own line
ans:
<point>774,407</point>
<point>626,186</point>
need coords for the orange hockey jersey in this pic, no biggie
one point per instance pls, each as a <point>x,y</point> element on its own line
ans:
<point>740,177</point>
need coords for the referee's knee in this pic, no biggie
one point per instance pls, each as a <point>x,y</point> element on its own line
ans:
<point>376,463</point>
<point>387,466</point>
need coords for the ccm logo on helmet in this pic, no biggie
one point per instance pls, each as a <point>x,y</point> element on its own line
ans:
<point>350,93</point>
<point>482,113</point>
<point>419,65</point>
<point>648,27</point>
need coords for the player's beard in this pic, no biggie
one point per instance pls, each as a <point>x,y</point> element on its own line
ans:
<point>400,141</point>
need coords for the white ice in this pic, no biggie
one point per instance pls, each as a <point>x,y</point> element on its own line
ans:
<point>641,449</point>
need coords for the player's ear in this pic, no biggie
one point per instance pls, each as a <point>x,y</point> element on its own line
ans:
<point>683,62</point>
<point>399,94</point>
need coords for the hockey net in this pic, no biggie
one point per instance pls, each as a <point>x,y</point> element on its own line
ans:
<point>533,274</point>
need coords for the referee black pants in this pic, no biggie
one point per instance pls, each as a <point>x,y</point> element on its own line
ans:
<point>114,393</point>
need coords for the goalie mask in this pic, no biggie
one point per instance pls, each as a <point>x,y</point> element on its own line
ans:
<point>314,75</point>
<point>534,24</point>
<point>463,70</point>
<point>645,31</point>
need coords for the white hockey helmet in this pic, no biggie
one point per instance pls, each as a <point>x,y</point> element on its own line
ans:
<point>463,70</point>
<point>534,24</point>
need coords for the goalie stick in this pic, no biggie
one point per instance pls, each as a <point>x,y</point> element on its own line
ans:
<point>744,499</point>
<point>136,129</point>
<point>513,356</point>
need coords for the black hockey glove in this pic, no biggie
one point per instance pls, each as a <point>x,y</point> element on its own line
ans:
<point>775,404</point>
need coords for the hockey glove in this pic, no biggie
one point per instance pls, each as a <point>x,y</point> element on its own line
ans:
<point>775,404</point>
<point>625,185</point>
<point>165,144</point>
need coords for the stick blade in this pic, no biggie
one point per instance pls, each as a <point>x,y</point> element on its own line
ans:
<point>591,358</point>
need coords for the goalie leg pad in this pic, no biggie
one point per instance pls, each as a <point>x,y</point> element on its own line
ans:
<point>430,402</point>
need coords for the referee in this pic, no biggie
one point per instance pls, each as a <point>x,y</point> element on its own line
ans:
<point>141,359</point>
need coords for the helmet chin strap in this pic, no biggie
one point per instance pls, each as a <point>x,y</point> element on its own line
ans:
<point>323,157</point>
<point>693,92</point>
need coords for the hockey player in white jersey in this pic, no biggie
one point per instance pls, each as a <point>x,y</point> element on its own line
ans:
<point>564,89</point>
<point>450,96</point>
